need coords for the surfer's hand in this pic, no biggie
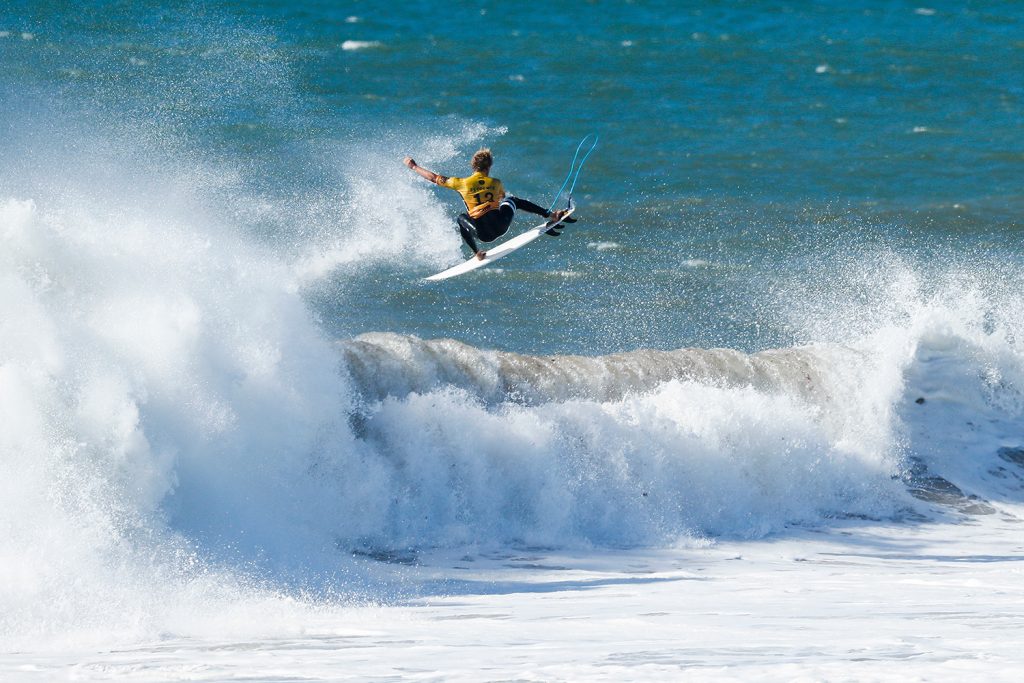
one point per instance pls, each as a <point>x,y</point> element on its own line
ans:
<point>410,162</point>
<point>481,255</point>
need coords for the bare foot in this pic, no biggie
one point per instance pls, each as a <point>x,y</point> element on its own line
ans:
<point>481,255</point>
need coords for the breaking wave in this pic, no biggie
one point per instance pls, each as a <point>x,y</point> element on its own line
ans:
<point>182,442</point>
<point>174,415</point>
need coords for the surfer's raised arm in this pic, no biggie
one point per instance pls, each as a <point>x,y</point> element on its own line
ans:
<point>424,173</point>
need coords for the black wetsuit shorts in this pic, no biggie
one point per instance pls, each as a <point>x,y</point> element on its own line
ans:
<point>495,223</point>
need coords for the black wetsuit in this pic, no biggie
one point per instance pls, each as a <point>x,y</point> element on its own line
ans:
<point>495,223</point>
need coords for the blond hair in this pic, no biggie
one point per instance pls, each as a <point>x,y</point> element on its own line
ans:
<point>482,160</point>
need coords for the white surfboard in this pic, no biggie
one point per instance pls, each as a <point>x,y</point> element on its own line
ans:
<point>502,250</point>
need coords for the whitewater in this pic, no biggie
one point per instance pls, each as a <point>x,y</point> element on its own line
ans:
<point>200,484</point>
<point>767,433</point>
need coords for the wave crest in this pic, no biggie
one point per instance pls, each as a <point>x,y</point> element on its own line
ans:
<point>385,364</point>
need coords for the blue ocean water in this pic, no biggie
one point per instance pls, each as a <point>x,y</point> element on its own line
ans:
<point>793,295</point>
<point>738,142</point>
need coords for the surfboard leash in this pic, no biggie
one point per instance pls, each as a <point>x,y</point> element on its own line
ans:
<point>577,169</point>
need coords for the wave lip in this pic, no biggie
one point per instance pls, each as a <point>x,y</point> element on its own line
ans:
<point>385,364</point>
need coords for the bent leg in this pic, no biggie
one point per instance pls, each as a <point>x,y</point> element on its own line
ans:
<point>494,224</point>
<point>468,231</point>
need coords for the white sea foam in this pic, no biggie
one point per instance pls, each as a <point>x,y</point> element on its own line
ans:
<point>157,383</point>
<point>360,44</point>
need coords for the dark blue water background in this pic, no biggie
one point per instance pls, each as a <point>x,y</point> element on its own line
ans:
<point>751,153</point>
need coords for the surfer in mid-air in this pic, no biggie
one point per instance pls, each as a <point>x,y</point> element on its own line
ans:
<point>489,210</point>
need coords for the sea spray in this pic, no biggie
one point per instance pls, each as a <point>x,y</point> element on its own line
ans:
<point>387,215</point>
<point>163,399</point>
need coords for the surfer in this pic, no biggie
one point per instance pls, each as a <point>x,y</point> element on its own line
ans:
<point>489,210</point>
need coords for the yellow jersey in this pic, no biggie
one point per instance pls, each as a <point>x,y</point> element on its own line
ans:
<point>481,193</point>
